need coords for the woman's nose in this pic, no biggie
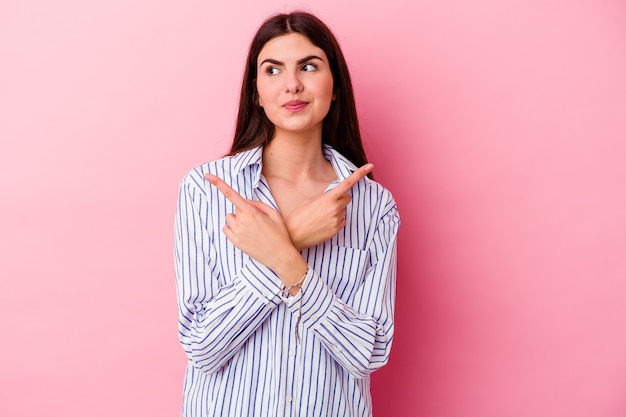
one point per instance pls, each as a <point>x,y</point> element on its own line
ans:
<point>293,83</point>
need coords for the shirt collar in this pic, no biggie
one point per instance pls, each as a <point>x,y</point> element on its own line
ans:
<point>342,166</point>
<point>247,158</point>
<point>254,158</point>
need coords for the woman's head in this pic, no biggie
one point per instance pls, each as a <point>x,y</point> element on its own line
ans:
<point>340,126</point>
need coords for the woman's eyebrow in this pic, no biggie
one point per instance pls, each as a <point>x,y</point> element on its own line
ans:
<point>300,61</point>
<point>309,58</point>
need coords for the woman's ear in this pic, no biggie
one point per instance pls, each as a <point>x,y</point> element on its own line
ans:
<point>255,95</point>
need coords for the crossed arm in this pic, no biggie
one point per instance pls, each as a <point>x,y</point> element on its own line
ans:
<point>260,231</point>
<point>216,321</point>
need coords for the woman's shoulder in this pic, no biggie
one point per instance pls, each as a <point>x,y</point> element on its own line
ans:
<point>224,167</point>
<point>366,189</point>
<point>381,195</point>
<point>378,188</point>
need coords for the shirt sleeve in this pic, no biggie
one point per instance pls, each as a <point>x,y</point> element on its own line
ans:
<point>357,335</point>
<point>215,320</point>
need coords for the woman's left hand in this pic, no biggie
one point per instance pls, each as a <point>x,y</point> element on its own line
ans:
<point>321,217</point>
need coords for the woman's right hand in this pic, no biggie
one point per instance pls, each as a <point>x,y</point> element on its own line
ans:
<point>321,217</point>
<point>259,231</point>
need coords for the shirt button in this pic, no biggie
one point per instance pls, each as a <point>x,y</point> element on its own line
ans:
<point>288,398</point>
<point>292,352</point>
<point>314,317</point>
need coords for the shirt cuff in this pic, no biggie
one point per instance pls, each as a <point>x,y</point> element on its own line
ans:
<point>317,300</point>
<point>262,281</point>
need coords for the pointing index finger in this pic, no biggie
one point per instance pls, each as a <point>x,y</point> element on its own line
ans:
<point>226,190</point>
<point>350,181</point>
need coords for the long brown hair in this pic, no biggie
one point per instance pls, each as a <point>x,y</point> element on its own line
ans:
<point>340,128</point>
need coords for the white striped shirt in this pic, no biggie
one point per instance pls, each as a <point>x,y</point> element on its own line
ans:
<point>239,331</point>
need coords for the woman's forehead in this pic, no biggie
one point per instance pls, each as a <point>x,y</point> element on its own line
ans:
<point>289,47</point>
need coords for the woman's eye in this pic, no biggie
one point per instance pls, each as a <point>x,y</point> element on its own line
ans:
<point>309,67</point>
<point>272,70</point>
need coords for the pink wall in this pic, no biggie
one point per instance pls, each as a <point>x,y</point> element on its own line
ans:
<point>500,127</point>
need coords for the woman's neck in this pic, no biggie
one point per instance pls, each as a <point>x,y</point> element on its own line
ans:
<point>296,158</point>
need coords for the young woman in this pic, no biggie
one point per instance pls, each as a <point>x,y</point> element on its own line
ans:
<point>285,250</point>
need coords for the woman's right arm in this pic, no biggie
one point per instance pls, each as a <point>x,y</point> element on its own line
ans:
<point>215,320</point>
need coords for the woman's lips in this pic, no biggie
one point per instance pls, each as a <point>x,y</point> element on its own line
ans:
<point>295,105</point>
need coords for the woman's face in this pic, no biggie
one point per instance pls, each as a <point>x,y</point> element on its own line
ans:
<point>294,84</point>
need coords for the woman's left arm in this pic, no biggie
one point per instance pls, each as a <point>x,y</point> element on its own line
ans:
<point>359,335</point>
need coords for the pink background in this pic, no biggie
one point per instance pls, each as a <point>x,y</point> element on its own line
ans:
<point>499,126</point>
